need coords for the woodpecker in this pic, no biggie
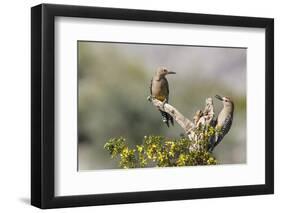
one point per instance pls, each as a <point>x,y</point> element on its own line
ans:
<point>223,122</point>
<point>159,89</point>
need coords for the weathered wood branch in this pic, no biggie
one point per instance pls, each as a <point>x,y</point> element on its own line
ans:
<point>184,122</point>
<point>202,118</point>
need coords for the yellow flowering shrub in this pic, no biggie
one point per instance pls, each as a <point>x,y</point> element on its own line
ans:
<point>162,152</point>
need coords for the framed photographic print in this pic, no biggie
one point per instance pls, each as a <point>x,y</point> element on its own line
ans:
<point>139,106</point>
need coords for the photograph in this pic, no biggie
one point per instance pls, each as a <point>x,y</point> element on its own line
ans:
<point>141,105</point>
<point>160,105</point>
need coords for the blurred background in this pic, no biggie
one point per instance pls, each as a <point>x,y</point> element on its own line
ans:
<point>114,81</point>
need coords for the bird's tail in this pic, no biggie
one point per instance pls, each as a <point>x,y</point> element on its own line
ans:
<point>214,141</point>
<point>166,118</point>
<point>211,144</point>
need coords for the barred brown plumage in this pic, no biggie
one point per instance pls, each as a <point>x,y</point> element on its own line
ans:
<point>223,122</point>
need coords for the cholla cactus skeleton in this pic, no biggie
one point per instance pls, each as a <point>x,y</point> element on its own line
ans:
<point>202,119</point>
<point>193,148</point>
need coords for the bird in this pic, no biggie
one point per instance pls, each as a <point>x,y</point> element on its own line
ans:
<point>223,122</point>
<point>159,89</point>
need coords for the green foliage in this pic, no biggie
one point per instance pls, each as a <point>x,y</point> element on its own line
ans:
<point>163,152</point>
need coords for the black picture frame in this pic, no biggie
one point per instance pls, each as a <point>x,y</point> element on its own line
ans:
<point>43,105</point>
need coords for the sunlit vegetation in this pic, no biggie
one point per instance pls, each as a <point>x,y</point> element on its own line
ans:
<point>163,152</point>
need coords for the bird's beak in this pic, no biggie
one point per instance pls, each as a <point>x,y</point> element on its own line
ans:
<point>170,72</point>
<point>219,97</point>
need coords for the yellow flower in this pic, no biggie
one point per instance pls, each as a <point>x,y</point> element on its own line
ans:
<point>140,148</point>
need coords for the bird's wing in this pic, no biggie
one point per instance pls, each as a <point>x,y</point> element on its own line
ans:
<point>224,129</point>
<point>150,87</point>
<point>168,92</point>
<point>227,124</point>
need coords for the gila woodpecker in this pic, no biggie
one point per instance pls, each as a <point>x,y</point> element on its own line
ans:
<point>159,89</point>
<point>223,122</point>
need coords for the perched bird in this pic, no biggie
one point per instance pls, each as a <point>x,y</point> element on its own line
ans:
<point>159,89</point>
<point>223,122</point>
